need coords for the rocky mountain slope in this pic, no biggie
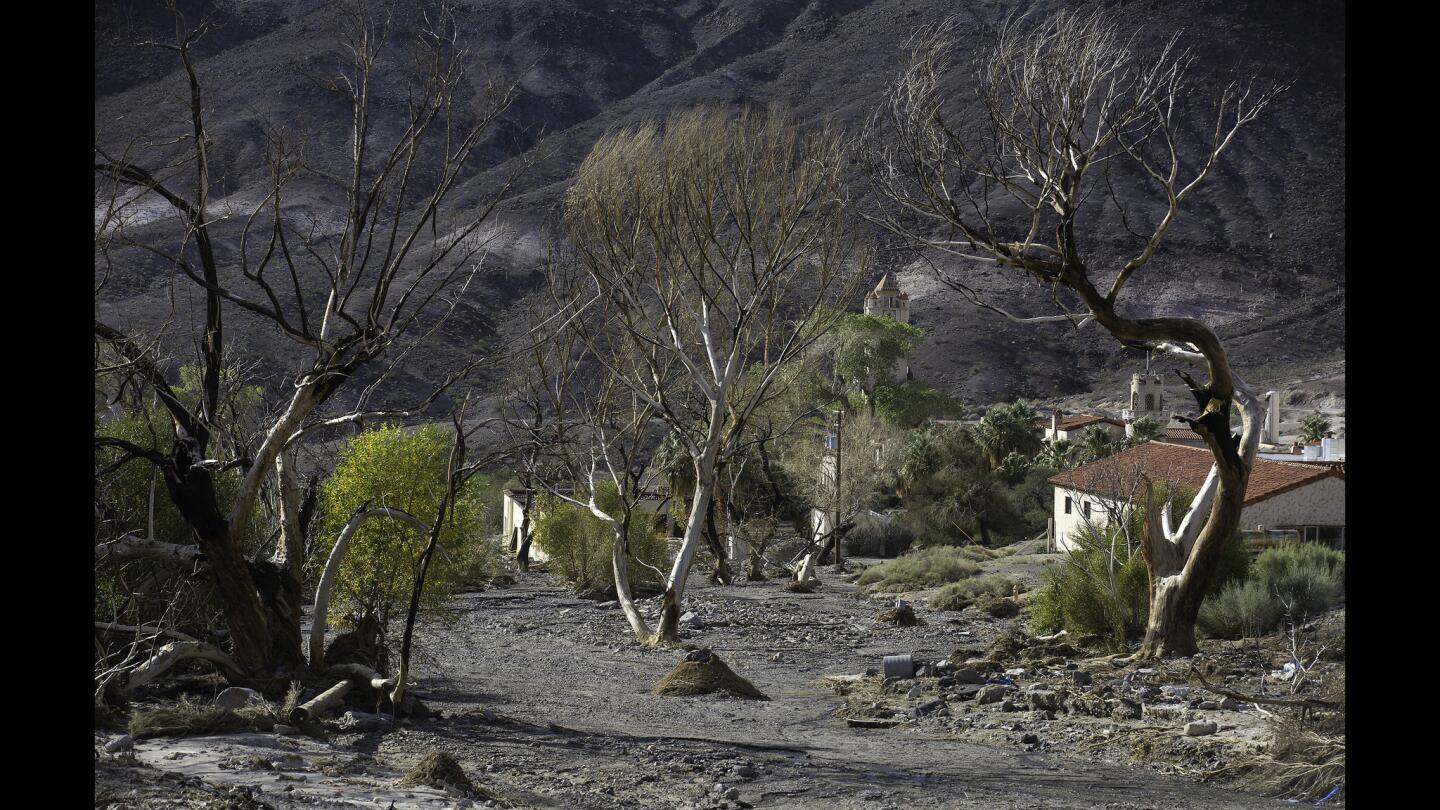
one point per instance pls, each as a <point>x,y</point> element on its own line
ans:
<point>1259,254</point>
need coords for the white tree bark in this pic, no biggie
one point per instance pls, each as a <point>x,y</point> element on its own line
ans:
<point>332,568</point>
<point>175,652</point>
<point>290,551</point>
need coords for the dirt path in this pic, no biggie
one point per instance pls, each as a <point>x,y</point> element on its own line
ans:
<point>546,703</point>
<point>535,654</point>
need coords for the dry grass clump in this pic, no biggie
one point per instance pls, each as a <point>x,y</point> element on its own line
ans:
<point>1299,763</point>
<point>960,595</point>
<point>187,717</point>
<point>926,568</point>
<point>438,769</point>
<point>703,673</point>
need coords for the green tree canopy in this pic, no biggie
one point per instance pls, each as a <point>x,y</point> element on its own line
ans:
<point>864,350</point>
<point>406,469</point>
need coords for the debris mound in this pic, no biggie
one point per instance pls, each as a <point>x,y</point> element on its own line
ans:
<point>701,673</point>
<point>802,585</point>
<point>998,607</point>
<point>438,769</point>
<point>902,615</point>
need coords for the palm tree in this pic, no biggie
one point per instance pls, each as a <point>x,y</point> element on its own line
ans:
<point>1314,427</point>
<point>1008,427</point>
<point>1059,455</point>
<point>1095,443</point>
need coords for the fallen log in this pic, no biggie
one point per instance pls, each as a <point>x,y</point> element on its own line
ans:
<point>363,674</point>
<point>130,629</point>
<point>177,651</point>
<point>131,547</point>
<point>323,702</point>
<point>1304,703</point>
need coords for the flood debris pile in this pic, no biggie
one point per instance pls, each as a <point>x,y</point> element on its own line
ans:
<point>702,673</point>
<point>437,769</point>
<point>1240,711</point>
<point>902,615</point>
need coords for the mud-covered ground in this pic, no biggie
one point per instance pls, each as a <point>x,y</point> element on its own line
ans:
<point>545,700</point>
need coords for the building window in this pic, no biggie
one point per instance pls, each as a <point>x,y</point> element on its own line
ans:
<point>1086,507</point>
<point>1067,504</point>
<point>1149,402</point>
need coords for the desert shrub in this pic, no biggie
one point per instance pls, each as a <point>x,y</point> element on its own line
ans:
<point>957,595</point>
<point>1241,609</point>
<point>403,469</point>
<point>924,568</point>
<point>580,544</point>
<point>1294,580</point>
<point>878,538</point>
<point>1088,593</point>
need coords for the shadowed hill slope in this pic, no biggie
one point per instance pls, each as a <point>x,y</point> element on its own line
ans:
<point>1259,253</point>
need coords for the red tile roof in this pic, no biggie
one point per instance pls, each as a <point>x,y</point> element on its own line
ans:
<point>1184,467</point>
<point>1075,421</point>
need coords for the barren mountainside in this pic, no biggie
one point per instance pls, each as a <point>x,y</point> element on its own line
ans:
<point>1259,253</point>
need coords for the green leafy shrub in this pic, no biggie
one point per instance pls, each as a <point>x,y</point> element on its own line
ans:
<point>958,595</point>
<point>402,469</point>
<point>923,568</point>
<point>1089,593</point>
<point>580,545</point>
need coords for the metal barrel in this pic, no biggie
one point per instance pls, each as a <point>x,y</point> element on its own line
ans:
<point>899,666</point>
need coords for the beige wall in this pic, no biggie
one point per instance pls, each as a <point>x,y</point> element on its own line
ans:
<point>1321,503</point>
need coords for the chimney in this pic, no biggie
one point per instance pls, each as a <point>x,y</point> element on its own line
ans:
<point>1054,424</point>
<point>1271,433</point>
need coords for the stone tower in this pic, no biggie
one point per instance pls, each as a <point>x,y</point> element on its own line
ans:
<point>887,301</point>
<point>1147,396</point>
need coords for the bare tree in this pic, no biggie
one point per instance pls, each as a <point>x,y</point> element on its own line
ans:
<point>373,278</point>
<point>716,246</point>
<point>1060,105</point>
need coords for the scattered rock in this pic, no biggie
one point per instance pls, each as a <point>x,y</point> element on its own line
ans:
<point>991,693</point>
<point>363,721</point>
<point>237,697</point>
<point>1200,728</point>
<point>120,745</point>
<point>1126,709</point>
<point>966,691</point>
<point>1229,704</point>
<point>968,675</point>
<point>692,621</point>
<point>1044,699</point>
<point>1081,677</point>
<point>1166,713</point>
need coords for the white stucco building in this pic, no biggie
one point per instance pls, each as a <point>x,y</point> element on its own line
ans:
<point>1306,501</point>
<point>655,500</point>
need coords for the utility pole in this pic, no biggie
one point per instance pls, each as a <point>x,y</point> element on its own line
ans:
<point>835,522</point>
